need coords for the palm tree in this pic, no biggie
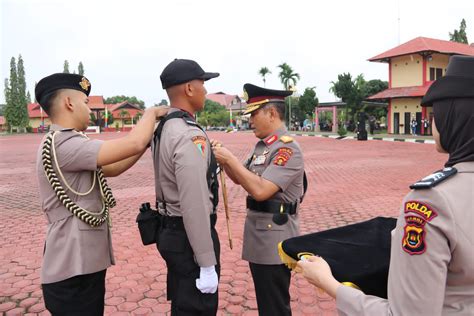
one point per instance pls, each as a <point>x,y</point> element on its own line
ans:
<point>287,76</point>
<point>263,72</point>
<point>123,113</point>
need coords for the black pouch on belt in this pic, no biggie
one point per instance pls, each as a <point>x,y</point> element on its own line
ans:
<point>148,221</point>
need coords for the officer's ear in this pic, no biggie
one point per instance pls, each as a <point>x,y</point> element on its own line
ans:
<point>63,101</point>
<point>188,89</point>
<point>273,113</point>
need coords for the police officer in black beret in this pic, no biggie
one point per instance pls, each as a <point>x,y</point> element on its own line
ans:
<point>74,195</point>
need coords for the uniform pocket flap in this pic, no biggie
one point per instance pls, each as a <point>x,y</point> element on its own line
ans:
<point>268,224</point>
<point>84,226</point>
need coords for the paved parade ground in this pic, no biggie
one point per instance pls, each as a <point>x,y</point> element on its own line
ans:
<point>349,181</point>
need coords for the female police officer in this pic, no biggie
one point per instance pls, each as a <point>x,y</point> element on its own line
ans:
<point>432,253</point>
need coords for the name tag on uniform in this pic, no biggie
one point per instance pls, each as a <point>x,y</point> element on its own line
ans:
<point>260,160</point>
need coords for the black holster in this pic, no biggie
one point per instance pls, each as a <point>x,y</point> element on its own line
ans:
<point>149,222</point>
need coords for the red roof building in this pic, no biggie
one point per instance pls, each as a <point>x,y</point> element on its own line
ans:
<point>412,68</point>
<point>124,114</point>
<point>229,101</point>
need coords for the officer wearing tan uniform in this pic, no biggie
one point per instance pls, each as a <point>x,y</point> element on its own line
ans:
<point>273,177</point>
<point>75,197</point>
<point>186,192</point>
<point>432,252</point>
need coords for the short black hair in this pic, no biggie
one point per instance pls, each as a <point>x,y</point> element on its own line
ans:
<point>280,107</point>
<point>48,106</point>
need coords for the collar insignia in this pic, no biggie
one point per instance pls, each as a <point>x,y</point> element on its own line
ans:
<point>270,140</point>
<point>286,139</point>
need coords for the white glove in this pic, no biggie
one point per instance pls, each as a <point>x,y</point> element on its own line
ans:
<point>207,282</point>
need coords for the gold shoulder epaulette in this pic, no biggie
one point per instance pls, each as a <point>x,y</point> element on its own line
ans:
<point>286,139</point>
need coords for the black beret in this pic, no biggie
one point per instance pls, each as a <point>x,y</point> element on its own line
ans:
<point>256,96</point>
<point>48,85</point>
<point>183,70</point>
<point>458,82</point>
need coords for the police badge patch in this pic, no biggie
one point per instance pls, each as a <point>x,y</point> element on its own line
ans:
<point>283,155</point>
<point>413,241</point>
<point>200,142</point>
<point>420,208</point>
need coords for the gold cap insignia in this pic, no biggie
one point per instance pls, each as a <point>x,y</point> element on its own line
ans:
<point>245,96</point>
<point>85,84</point>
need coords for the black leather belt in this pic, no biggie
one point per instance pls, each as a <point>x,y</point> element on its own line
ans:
<point>271,206</point>
<point>176,222</point>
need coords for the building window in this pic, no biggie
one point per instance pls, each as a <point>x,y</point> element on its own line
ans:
<point>435,73</point>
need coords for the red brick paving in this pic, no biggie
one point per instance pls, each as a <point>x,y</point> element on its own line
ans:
<point>349,181</point>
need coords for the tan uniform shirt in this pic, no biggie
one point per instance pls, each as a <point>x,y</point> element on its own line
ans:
<point>183,160</point>
<point>432,255</point>
<point>282,164</point>
<point>73,247</point>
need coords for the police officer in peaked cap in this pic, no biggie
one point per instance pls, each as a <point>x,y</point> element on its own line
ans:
<point>273,176</point>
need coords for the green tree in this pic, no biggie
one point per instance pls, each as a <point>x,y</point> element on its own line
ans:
<point>2,108</point>
<point>124,114</point>
<point>375,86</point>
<point>16,112</point>
<point>287,76</point>
<point>122,98</point>
<point>307,103</point>
<point>28,97</point>
<point>213,114</point>
<point>22,106</point>
<point>80,69</point>
<point>264,71</point>
<point>11,96</point>
<point>66,67</point>
<point>162,102</point>
<point>459,36</point>
<point>138,116</point>
<point>343,89</point>
<point>5,108</point>
<point>354,91</point>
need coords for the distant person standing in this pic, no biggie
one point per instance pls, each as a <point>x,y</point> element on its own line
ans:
<point>413,126</point>
<point>426,125</point>
<point>371,124</point>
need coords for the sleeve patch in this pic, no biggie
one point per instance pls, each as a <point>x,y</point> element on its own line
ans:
<point>283,155</point>
<point>200,142</point>
<point>420,208</point>
<point>413,241</point>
